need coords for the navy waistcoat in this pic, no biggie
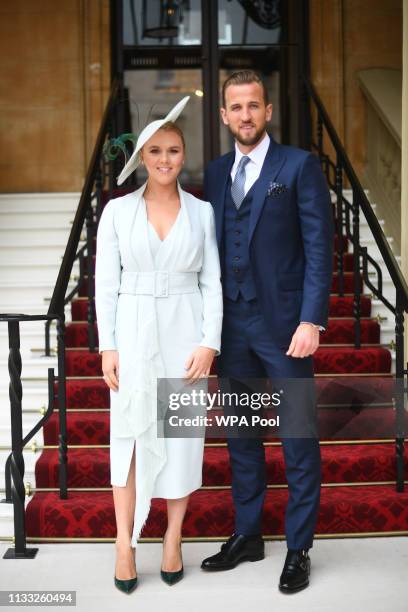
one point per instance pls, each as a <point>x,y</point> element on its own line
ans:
<point>237,274</point>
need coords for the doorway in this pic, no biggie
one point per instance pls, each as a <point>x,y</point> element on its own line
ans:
<point>162,50</point>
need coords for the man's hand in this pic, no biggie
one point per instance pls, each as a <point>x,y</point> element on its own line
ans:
<point>110,369</point>
<point>198,365</point>
<point>305,341</point>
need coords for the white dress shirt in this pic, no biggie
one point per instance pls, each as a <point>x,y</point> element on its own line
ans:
<point>253,170</point>
<point>253,167</point>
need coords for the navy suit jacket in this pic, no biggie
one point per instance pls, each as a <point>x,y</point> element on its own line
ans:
<point>290,236</point>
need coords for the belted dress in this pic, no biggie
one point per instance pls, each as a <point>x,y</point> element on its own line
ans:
<point>156,301</point>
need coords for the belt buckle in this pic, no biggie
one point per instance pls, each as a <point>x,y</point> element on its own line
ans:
<point>161,283</point>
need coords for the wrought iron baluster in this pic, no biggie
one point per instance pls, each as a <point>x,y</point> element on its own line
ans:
<point>82,266</point>
<point>62,415</point>
<point>399,391</point>
<point>110,179</point>
<point>47,338</point>
<point>339,225</point>
<point>356,270</point>
<point>90,284</point>
<point>7,482</point>
<point>98,191</point>
<point>20,549</point>
<point>320,135</point>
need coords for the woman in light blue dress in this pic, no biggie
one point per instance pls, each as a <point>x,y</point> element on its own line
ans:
<point>158,301</point>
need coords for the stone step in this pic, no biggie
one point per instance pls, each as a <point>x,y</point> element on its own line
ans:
<point>14,235</point>
<point>35,219</point>
<point>26,292</point>
<point>36,271</point>
<point>49,202</point>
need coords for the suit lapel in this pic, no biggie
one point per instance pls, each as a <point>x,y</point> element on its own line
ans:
<point>274,160</point>
<point>224,172</point>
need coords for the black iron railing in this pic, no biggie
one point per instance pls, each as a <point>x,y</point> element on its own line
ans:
<point>14,468</point>
<point>347,220</point>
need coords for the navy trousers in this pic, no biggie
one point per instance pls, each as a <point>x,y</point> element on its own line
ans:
<point>248,351</point>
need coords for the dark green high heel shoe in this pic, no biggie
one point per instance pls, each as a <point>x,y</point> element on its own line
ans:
<point>128,585</point>
<point>171,578</point>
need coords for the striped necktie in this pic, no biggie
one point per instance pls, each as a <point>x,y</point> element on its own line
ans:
<point>238,184</point>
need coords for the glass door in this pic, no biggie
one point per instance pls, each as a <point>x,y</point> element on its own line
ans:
<point>163,50</point>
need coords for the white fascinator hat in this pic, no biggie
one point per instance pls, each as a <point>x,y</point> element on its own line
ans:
<point>144,136</point>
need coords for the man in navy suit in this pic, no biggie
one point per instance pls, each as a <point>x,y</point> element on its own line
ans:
<point>275,232</point>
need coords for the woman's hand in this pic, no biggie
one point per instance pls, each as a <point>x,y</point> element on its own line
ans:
<point>110,369</point>
<point>198,365</point>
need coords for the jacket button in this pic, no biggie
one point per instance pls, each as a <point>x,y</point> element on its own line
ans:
<point>236,257</point>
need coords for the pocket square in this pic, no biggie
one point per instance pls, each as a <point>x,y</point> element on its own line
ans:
<point>276,189</point>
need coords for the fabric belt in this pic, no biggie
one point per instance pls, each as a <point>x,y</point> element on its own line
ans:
<point>158,283</point>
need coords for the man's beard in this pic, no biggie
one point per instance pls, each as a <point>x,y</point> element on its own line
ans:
<point>250,140</point>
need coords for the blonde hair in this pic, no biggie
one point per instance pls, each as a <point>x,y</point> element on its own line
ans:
<point>171,126</point>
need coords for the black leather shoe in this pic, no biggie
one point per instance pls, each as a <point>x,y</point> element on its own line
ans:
<point>296,571</point>
<point>238,548</point>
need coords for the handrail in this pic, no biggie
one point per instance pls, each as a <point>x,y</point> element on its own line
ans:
<point>376,229</point>
<point>347,219</point>
<point>58,296</point>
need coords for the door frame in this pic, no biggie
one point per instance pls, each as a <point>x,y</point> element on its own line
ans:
<point>291,58</point>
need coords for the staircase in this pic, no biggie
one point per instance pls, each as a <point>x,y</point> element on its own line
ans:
<point>358,493</point>
<point>359,496</point>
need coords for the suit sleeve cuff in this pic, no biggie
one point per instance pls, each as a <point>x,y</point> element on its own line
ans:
<point>212,345</point>
<point>319,327</point>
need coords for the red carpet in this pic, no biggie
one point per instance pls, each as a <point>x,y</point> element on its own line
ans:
<point>358,493</point>
<point>343,510</point>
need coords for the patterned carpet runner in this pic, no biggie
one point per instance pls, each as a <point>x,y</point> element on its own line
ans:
<point>358,452</point>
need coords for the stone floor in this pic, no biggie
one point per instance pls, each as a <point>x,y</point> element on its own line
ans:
<point>348,575</point>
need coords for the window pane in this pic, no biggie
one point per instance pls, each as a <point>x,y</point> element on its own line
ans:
<point>236,26</point>
<point>162,22</point>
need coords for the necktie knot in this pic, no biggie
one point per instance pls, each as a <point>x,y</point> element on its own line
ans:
<point>238,184</point>
<point>243,162</point>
